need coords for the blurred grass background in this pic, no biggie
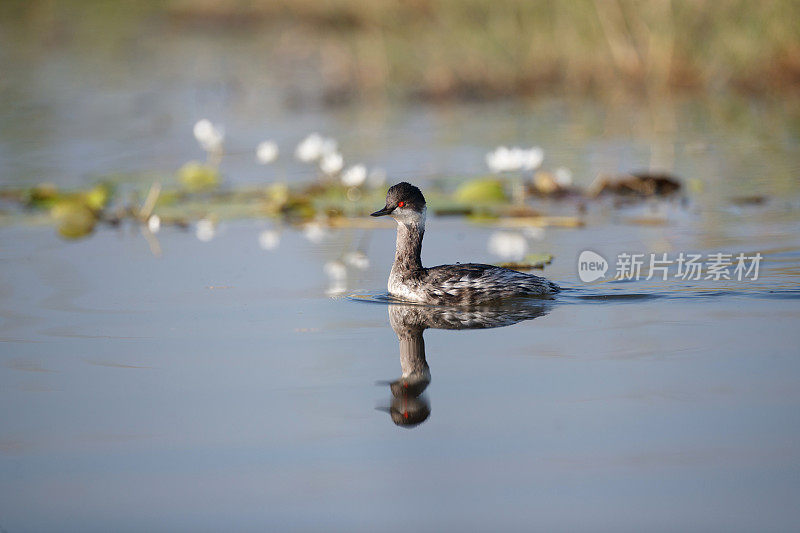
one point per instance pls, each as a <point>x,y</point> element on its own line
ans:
<point>477,49</point>
<point>473,49</point>
<point>106,91</point>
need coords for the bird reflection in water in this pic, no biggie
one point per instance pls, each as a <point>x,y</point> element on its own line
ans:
<point>409,406</point>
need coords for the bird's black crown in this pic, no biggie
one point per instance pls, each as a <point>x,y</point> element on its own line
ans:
<point>410,195</point>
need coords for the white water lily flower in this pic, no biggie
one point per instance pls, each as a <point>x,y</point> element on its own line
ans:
<point>563,176</point>
<point>532,158</point>
<point>335,270</point>
<point>314,232</point>
<point>314,147</point>
<point>354,176</point>
<point>154,223</point>
<point>504,159</point>
<point>205,230</point>
<point>267,152</point>
<point>331,163</point>
<point>209,136</point>
<point>509,245</point>
<point>269,239</point>
<point>309,148</point>
<point>499,159</point>
<point>357,259</point>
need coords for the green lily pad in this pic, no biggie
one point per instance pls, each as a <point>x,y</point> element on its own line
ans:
<point>97,197</point>
<point>75,219</point>
<point>481,191</point>
<point>530,262</point>
<point>198,177</point>
<point>43,195</point>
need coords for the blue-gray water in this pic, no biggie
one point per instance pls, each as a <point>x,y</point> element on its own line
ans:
<point>224,386</point>
<point>218,387</point>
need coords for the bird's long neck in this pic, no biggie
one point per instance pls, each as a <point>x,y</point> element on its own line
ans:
<point>412,356</point>
<point>407,256</point>
<point>407,322</point>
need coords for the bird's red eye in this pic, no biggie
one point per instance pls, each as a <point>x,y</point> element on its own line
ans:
<point>400,204</point>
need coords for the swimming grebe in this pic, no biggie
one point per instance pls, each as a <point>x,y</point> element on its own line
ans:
<point>459,284</point>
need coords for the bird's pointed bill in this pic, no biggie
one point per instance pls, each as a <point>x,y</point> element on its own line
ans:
<point>381,212</point>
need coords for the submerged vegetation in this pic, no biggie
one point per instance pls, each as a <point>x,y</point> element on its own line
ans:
<point>338,196</point>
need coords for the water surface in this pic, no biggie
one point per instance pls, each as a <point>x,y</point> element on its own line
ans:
<point>224,386</point>
<point>218,386</point>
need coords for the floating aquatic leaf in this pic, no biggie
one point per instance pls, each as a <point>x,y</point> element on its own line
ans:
<point>75,219</point>
<point>481,191</point>
<point>530,262</point>
<point>196,176</point>
<point>43,195</point>
<point>639,184</point>
<point>483,217</point>
<point>696,186</point>
<point>168,198</point>
<point>453,211</point>
<point>540,221</point>
<point>483,200</point>
<point>539,259</point>
<point>298,208</point>
<point>278,193</point>
<point>98,196</point>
